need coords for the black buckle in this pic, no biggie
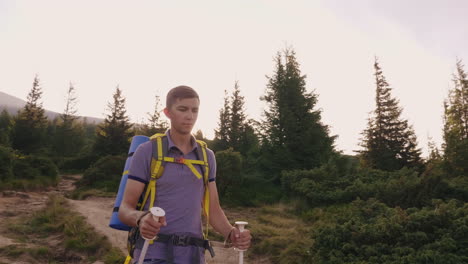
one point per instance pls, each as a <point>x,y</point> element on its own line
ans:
<point>210,249</point>
<point>181,240</point>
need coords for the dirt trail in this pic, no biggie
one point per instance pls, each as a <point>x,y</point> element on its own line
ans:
<point>97,211</point>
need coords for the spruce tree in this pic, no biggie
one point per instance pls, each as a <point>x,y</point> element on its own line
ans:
<point>31,123</point>
<point>293,134</point>
<point>389,142</point>
<point>236,119</point>
<point>456,124</point>
<point>69,113</point>
<point>221,141</point>
<point>113,135</point>
<point>69,134</point>
<point>155,123</point>
<point>6,125</point>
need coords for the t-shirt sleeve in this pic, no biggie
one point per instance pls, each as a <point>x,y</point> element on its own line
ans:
<point>212,165</point>
<point>140,165</point>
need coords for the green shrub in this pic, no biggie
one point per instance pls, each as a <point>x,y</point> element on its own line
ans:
<point>236,188</point>
<point>254,191</point>
<point>104,175</point>
<point>34,167</point>
<point>26,172</point>
<point>77,164</point>
<point>371,232</point>
<point>6,163</point>
<point>341,181</point>
<point>228,171</point>
<point>324,185</point>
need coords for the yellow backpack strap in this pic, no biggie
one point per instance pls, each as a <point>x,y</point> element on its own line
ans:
<point>157,168</point>
<point>206,197</point>
<point>159,142</point>
<point>188,162</point>
<point>128,260</point>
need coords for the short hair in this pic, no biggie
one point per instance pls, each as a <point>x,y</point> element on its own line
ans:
<point>180,92</point>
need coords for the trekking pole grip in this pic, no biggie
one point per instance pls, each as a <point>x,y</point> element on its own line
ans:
<point>240,225</point>
<point>156,213</point>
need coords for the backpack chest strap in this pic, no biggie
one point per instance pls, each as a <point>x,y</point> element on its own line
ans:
<point>189,163</point>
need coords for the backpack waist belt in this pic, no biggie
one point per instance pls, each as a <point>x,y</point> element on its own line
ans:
<point>182,241</point>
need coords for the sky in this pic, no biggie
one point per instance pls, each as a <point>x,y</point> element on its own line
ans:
<point>149,47</point>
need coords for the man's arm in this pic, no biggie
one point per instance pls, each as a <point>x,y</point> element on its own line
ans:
<point>220,223</point>
<point>129,215</point>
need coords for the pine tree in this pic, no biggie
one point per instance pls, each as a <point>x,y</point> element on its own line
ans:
<point>456,124</point>
<point>69,113</point>
<point>113,136</point>
<point>293,134</point>
<point>69,134</point>
<point>237,123</point>
<point>199,135</point>
<point>6,126</point>
<point>31,123</point>
<point>389,142</point>
<point>221,141</point>
<point>156,124</point>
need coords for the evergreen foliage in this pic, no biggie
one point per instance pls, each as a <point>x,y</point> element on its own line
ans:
<point>113,136</point>
<point>221,141</point>
<point>7,157</point>
<point>371,232</point>
<point>456,125</point>
<point>389,142</point>
<point>104,174</point>
<point>6,126</point>
<point>229,173</point>
<point>234,130</point>
<point>69,135</point>
<point>29,134</point>
<point>293,134</point>
<point>237,119</point>
<point>155,123</point>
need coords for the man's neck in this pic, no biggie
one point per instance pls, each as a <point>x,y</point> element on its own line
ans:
<point>182,141</point>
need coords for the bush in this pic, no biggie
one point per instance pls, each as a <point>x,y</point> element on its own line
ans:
<point>398,188</point>
<point>33,167</point>
<point>324,185</point>
<point>254,191</point>
<point>78,164</point>
<point>341,181</point>
<point>27,172</point>
<point>6,163</point>
<point>104,175</point>
<point>228,171</point>
<point>371,232</point>
<point>236,188</point>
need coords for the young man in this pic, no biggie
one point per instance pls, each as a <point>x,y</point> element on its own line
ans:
<point>178,192</point>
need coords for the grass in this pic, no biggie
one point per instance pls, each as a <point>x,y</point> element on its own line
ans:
<point>36,184</point>
<point>282,232</point>
<point>277,234</point>
<point>59,235</point>
<point>83,193</point>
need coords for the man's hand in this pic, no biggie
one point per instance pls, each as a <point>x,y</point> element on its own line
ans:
<point>149,228</point>
<point>241,240</point>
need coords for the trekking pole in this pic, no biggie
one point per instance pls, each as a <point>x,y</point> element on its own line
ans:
<point>240,225</point>
<point>156,212</point>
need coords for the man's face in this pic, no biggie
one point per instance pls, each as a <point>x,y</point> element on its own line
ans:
<point>183,114</point>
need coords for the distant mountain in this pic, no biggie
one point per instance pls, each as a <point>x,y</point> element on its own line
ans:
<point>13,104</point>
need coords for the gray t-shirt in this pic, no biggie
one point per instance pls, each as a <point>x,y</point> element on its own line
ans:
<point>179,192</point>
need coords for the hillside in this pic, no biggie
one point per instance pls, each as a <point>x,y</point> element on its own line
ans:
<point>13,104</point>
